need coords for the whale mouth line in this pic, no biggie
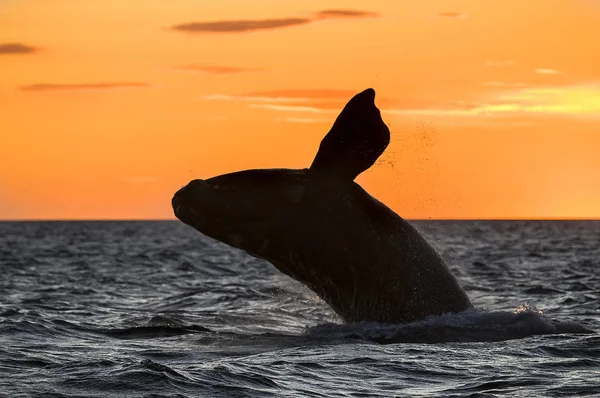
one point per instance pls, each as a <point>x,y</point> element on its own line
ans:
<point>189,216</point>
<point>181,208</point>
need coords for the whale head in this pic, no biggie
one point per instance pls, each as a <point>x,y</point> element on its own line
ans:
<point>241,209</point>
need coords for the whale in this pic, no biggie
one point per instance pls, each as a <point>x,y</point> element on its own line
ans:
<point>321,228</point>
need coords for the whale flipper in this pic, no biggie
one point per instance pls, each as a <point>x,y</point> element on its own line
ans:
<point>356,139</point>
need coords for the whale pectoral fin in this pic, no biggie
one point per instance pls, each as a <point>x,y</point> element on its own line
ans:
<point>357,138</point>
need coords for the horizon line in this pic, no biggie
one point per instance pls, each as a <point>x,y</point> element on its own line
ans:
<point>593,218</point>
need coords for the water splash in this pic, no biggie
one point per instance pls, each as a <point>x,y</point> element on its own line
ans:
<point>472,325</point>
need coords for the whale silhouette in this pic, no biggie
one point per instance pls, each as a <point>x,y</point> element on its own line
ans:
<point>321,228</point>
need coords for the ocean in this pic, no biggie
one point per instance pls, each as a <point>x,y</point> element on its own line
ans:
<point>155,309</point>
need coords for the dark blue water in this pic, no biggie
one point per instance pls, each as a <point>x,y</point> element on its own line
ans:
<point>153,309</point>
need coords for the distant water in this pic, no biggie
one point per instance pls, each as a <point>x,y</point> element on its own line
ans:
<point>153,309</point>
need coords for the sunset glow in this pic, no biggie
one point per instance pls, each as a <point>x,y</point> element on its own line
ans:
<point>108,107</point>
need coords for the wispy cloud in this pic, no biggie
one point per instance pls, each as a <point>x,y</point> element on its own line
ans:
<point>291,108</point>
<point>140,179</point>
<point>288,96</point>
<point>475,111</point>
<point>251,98</point>
<point>494,64</point>
<point>547,71</point>
<point>305,120</point>
<point>84,86</point>
<point>16,48</point>
<point>576,101</point>
<point>450,15</point>
<point>252,25</point>
<point>514,99</point>
<point>240,25</point>
<point>295,100</point>
<point>345,14</point>
<point>503,83</point>
<point>323,96</point>
<point>304,93</point>
<point>215,69</point>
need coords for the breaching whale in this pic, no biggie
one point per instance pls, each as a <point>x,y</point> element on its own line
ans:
<point>321,228</point>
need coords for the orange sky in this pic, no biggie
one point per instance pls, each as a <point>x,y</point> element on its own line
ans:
<point>108,107</point>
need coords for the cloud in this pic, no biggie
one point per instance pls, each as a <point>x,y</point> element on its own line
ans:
<point>475,111</point>
<point>501,83</point>
<point>345,14</point>
<point>305,120</point>
<point>240,25</point>
<point>246,98</point>
<point>547,71</point>
<point>289,96</point>
<point>216,69</point>
<point>290,108</point>
<point>252,25</point>
<point>80,87</point>
<point>295,100</point>
<point>141,179</point>
<point>575,101</point>
<point>450,15</point>
<point>535,83</point>
<point>493,64</point>
<point>304,93</point>
<point>16,48</point>
<point>515,99</point>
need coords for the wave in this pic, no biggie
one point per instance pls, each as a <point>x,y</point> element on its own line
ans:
<point>472,325</point>
<point>158,326</point>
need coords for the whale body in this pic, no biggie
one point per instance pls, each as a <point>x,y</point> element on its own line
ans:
<point>321,228</point>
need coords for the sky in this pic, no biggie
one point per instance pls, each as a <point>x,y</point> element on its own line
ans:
<point>108,107</point>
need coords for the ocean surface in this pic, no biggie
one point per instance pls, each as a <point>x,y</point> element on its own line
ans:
<point>154,309</point>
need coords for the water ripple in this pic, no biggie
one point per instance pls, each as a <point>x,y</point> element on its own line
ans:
<point>152,309</point>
